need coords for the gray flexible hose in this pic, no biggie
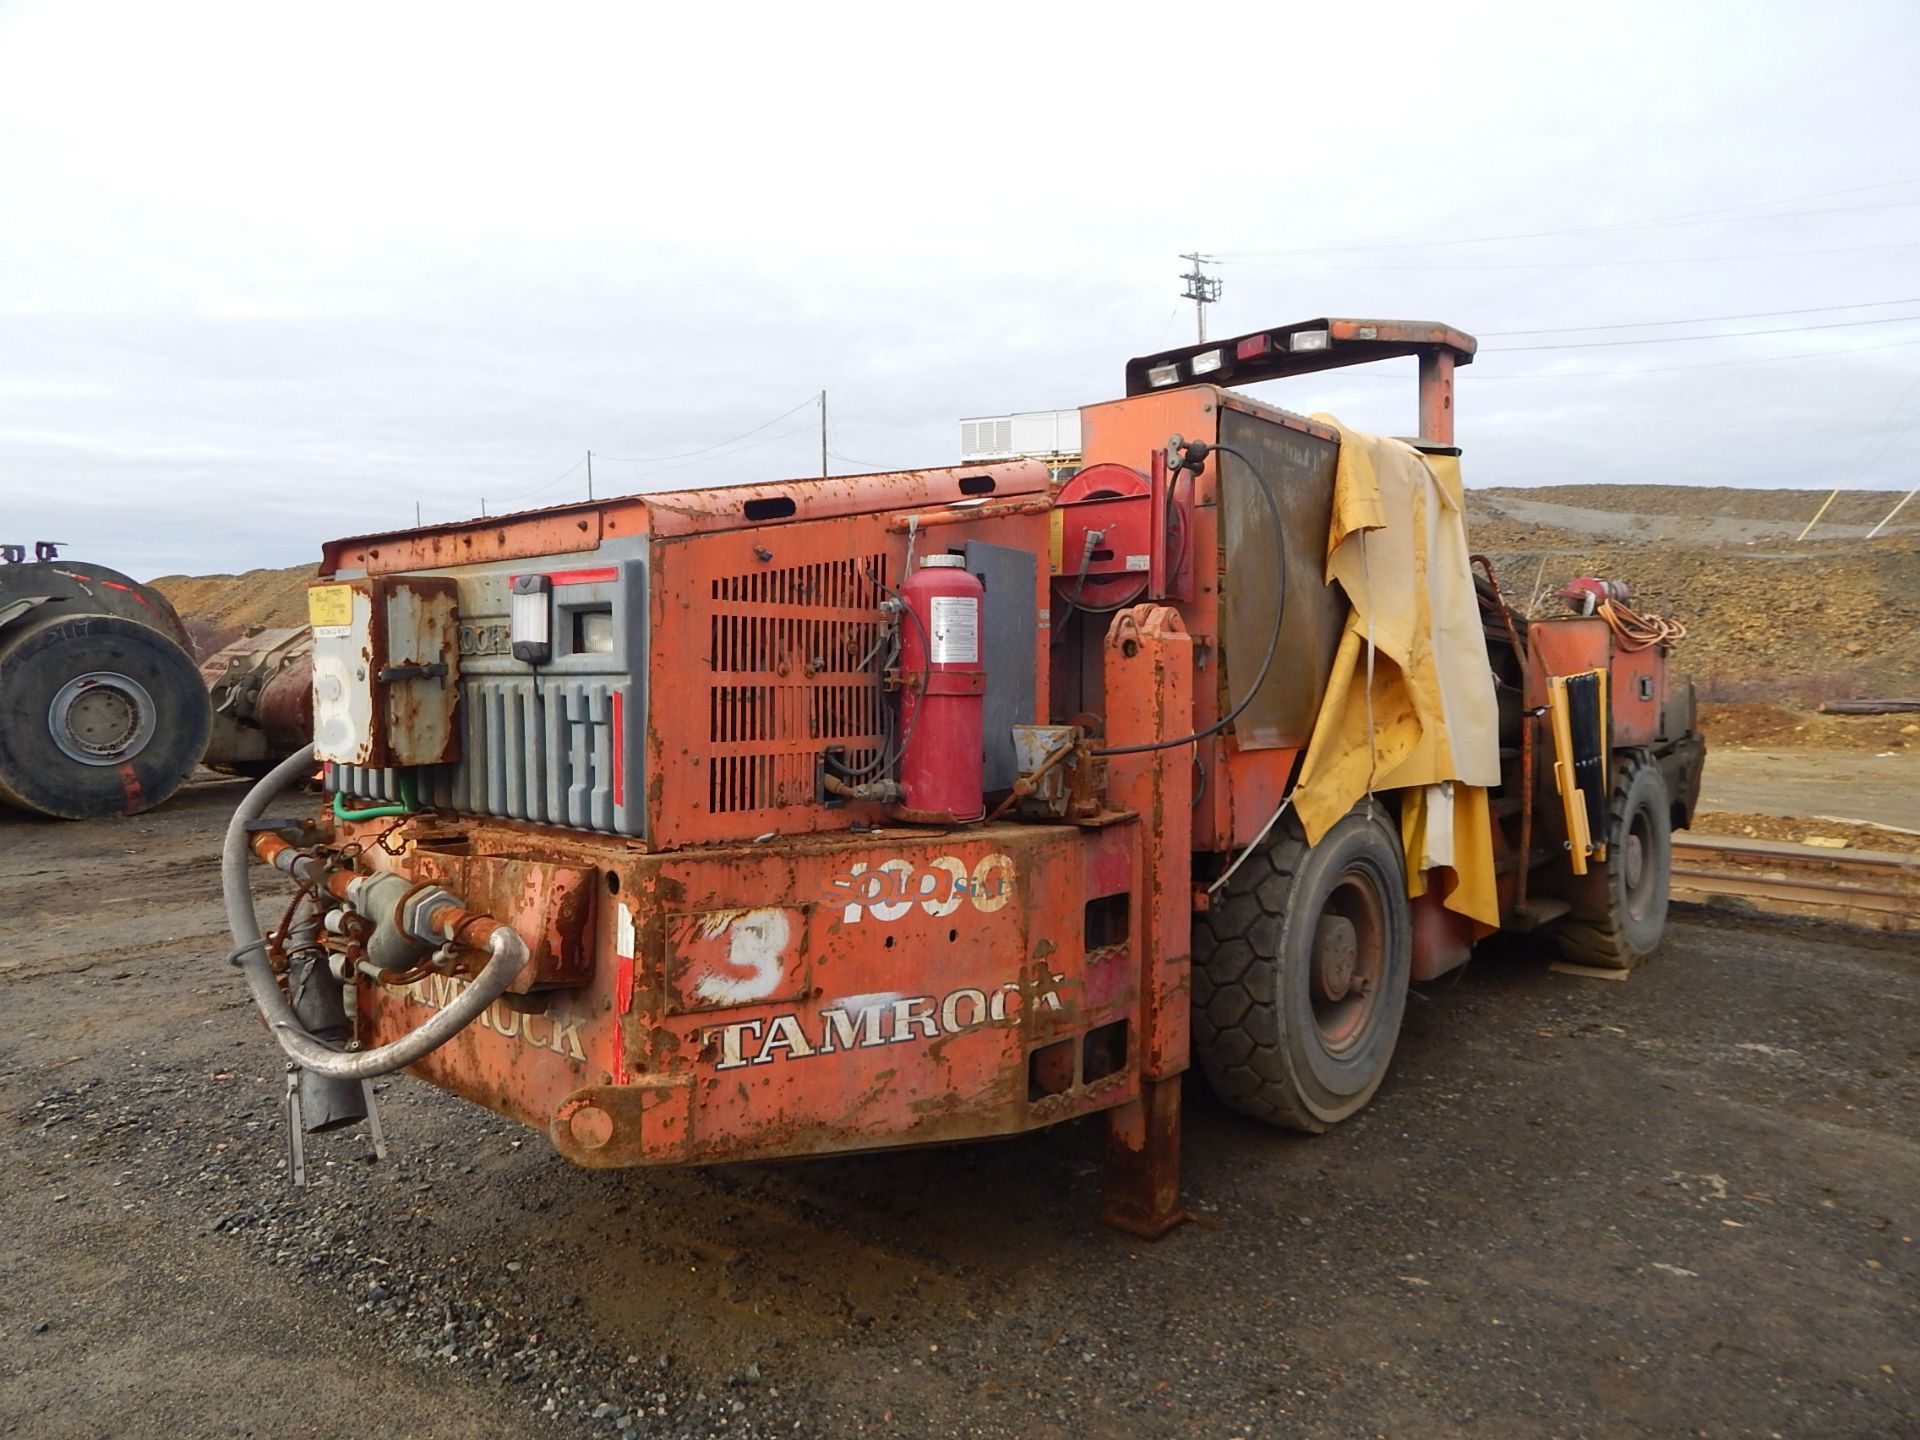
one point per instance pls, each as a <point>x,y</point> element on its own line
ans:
<point>507,956</point>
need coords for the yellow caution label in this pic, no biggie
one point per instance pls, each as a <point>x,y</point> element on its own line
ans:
<point>1055,539</point>
<point>330,606</point>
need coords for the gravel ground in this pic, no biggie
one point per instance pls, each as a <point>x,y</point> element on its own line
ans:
<point>1684,1205</point>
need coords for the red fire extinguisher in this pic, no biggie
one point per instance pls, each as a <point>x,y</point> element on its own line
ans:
<point>943,707</point>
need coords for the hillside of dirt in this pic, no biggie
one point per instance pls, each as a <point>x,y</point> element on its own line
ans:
<point>1767,619</point>
<point>219,608</point>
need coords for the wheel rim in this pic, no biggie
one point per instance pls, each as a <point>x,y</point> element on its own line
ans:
<point>1349,959</point>
<point>101,718</point>
<point>1639,867</point>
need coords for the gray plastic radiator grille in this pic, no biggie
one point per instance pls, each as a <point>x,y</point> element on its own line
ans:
<point>548,758</point>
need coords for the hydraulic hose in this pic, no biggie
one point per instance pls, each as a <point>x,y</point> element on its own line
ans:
<point>1196,454</point>
<point>507,956</point>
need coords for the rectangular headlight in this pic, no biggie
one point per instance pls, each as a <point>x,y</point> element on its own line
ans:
<point>1206,362</point>
<point>531,619</point>
<point>1161,376</point>
<point>1309,340</point>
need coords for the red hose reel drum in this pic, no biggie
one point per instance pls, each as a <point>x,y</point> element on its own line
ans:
<point>1111,503</point>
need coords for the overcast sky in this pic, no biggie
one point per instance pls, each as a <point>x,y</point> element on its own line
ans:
<point>270,274</point>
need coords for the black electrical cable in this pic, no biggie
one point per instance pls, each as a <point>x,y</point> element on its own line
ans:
<point>1193,457</point>
<point>888,757</point>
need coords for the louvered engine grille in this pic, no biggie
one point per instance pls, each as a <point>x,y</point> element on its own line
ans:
<point>803,642</point>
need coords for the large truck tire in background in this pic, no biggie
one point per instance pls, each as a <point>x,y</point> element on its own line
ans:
<point>102,709</point>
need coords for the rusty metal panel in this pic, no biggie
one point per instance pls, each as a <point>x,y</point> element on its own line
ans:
<point>931,986</point>
<point>718,959</point>
<point>420,678</point>
<point>764,654</point>
<point>1637,691</point>
<point>580,528</point>
<point>1298,471</point>
<point>1569,646</point>
<point>1149,671</point>
<point>560,745</point>
<point>549,905</point>
<point>386,670</point>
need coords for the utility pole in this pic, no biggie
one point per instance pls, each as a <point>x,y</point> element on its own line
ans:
<point>1203,290</point>
<point>589,474</point>
<point>823,434</point>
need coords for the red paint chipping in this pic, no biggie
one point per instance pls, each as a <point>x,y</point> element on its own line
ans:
<point>619,744</point>
<point>130,787</point>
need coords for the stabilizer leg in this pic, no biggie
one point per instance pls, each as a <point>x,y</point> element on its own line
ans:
<point>1142,1181</point>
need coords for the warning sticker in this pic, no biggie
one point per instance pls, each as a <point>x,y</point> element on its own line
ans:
<point>956,630</point>
<point>330,609</point>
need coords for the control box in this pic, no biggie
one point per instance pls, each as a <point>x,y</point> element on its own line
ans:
<point>386,670</point>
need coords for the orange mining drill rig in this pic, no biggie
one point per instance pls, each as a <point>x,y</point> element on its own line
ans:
<point>902,809</point>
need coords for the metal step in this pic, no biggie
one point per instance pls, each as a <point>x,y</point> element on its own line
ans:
<point>1537,912</point>
<point>1511,860</point>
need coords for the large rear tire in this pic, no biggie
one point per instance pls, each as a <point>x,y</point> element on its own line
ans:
<point>1300,973</point>
<point>99,715</point>
<point>1623,913</point>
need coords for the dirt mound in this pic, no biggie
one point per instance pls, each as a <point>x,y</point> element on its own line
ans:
<point>1789,509</point>
<point>217,609</point>
<point>1829,834</point>
<point>1767,620</point>
<point>1759,725</point>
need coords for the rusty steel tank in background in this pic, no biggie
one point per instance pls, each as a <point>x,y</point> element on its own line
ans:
<point>261,688</point>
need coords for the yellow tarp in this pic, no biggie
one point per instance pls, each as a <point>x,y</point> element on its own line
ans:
<point>1398,548</point>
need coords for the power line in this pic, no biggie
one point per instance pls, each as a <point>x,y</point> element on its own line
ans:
<point>813,399</point>
<point>1479,375</point>
<point>878,468</point>
<point>542,489</point>
<point>1684,217</point>
<point>1238,257</point>
<point>1870,453</point>
<point>1685,339</point>
<point>1886,438</point>
<point>782,435</point>
<point>1700,319</point>
<point>1580,264</point>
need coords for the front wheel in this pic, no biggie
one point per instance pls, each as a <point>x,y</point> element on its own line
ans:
<point>1300,973</point>
<point>1622,910</point>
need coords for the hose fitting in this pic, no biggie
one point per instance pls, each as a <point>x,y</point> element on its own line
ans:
<point>506,952</point>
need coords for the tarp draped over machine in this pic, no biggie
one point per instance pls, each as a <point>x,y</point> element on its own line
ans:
<point>1398,548</point>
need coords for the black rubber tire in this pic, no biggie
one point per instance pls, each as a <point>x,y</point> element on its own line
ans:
<point>1255,1032</point>
<point>40,657</point>
<point>1618,924</point>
